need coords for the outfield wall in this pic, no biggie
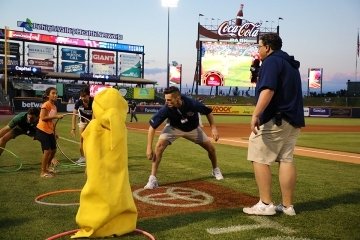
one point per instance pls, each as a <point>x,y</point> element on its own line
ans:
<point>22,104</point>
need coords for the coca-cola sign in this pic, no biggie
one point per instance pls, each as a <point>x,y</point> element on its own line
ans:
<point>247,30</point>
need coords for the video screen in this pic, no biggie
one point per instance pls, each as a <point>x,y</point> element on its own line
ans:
<point>315,77</point>
<point>227,63</point>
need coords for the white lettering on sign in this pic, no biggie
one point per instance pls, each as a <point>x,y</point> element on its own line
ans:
<point>246,30</point>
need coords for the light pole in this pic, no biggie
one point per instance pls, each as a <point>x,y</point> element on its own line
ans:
<point>278,26</point>
<point>169,4</point>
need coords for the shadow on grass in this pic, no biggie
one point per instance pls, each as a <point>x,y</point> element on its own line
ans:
<point>11,222</point>
<point>322,204</point>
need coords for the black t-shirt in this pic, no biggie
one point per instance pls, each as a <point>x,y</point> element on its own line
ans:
<point>85,112</point>
<point>185,118</point>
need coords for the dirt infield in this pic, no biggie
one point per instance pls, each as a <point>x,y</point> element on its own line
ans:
<point>197,196</point>
<point>237,135</point>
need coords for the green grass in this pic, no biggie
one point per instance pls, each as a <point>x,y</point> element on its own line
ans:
<point>327,195</point>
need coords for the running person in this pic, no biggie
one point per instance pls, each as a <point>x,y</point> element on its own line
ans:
<point>183,121</point>
<point>83,111</point>
<point>23,123</point>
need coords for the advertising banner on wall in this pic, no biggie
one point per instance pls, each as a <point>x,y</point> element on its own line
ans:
<point>45,65</point>
<point>72,54</point>
<point>102,69</point>
<point>315,77</point>
<point>73,67</point>
<point>232,110</point>
<point>13,48</point>
<point>130,65</point>
<point>319,112</point>
<point>12,61</point>
<point>40,51</point>
<point>102,57</point>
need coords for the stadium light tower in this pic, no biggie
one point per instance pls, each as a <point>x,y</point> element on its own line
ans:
<point>169,4</point>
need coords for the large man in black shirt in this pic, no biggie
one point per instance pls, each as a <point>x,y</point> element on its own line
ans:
<point>183,121</point>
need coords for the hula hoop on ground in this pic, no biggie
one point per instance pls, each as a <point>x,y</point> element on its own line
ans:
<point>75,164</point>
<point>17,159</point>
<point>40,197</point>
<point>63,234</point>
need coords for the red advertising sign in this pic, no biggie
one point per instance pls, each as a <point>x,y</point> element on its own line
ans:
<point>103,57</point>
<point>41,63</point>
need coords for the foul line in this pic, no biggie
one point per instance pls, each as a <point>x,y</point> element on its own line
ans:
<point>296,148</point>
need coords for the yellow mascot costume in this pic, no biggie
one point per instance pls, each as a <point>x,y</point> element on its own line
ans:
<point>107,207</point>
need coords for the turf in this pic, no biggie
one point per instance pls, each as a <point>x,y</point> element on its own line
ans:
<point>327,195</point>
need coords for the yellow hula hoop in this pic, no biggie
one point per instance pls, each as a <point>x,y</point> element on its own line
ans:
<point>16,157</point>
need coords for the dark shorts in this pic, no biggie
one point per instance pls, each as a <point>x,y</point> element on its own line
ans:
<point>16,131</point>
<point>48,141</point>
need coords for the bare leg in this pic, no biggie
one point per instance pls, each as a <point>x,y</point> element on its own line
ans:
<point>44,161</point>
<point>263,181</point>
<point>287,179</point>
<point>209,147</point>
<point>159,149</point>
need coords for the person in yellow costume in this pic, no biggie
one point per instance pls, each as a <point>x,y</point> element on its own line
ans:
<point>107,207</point>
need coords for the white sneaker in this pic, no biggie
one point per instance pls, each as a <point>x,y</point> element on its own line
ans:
<point>81,160</point>
<point>217,174</point>
<point>152,183</point>
<point>288,211</point>
<point>260,209</point>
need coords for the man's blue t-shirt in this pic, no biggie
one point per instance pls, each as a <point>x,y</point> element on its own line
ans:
<point>185,118</point>
<point>280,72</point>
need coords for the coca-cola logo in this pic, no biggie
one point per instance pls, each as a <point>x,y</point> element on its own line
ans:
<point>246,30</point>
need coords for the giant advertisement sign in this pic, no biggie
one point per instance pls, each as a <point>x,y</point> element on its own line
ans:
<point>227,64</point>
<point>103,57</point>
<point>130,65</point>
<point>71,54</point>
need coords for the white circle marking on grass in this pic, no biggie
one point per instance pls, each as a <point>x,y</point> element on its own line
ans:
<point>189,197</point>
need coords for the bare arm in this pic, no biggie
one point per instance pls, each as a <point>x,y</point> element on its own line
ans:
<point>150,139</point>
<point>263,101</point>
<point>214,132</point>
<point>73,122</point>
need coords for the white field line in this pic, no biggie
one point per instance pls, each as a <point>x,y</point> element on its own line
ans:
<point>296,148</point>
<point>69,140</point>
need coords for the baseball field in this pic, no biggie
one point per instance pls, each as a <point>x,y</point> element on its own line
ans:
<point>190,203</point>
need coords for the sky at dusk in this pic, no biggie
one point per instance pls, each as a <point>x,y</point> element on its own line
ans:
<point>318,33</point>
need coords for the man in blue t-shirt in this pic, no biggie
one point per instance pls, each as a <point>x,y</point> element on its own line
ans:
<point>275,125</point>
<point>182,117</point>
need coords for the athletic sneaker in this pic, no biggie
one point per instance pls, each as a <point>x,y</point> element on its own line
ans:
<point>152,183</point>
<point>81,160</point>
<point>260,209</point>
<point>217,174</point>
<point>288,211</point>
